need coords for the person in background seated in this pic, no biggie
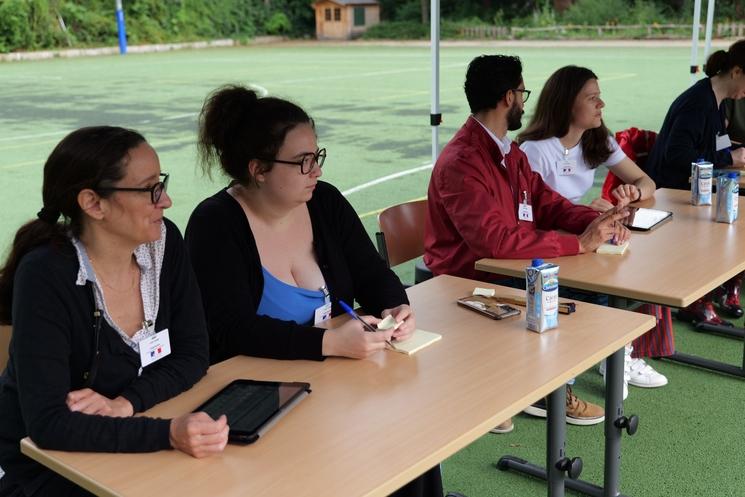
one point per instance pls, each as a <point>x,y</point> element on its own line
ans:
<point>485,201</point>
<point>693,129</point>
<point>565,142</point>
<point>88,287</point>
<point>276,250</point>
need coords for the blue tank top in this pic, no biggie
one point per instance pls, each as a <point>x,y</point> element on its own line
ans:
<point>283,301</point>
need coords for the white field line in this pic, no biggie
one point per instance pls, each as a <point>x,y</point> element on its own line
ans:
<point>383,179</point>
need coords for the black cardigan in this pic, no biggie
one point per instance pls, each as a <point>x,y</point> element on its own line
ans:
<point>688,133</point>
<point>227,264</point>
<point>52,348</point>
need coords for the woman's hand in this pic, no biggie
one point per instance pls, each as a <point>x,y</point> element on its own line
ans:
<point>404,315</point>
<point>88,401</point>
<point>625,194</point>
<point>198,435</point>
<point>600,205</point>
<point>351,339</point>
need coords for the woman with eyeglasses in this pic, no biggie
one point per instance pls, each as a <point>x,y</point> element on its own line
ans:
<point>106,314</point>
<point>278,249</point>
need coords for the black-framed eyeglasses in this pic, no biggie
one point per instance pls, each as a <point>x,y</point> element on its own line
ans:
<point>307,163</point>
<point>526,93</point>
<point>156,191</point>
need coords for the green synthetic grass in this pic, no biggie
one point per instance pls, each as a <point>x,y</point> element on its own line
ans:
<point>371,106</point>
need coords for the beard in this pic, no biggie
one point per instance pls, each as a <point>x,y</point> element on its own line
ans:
<point>514,117</point>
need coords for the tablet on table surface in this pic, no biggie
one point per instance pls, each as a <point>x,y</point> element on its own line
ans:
<point>642,219</point>
<point>253,407</point>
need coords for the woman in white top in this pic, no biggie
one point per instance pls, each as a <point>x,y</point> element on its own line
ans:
<point>566,141</point>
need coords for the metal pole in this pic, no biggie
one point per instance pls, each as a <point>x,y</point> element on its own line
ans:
<point>121,28</point>
<point>435,118</point>
<point>709,28</point>
<point>694,40</point>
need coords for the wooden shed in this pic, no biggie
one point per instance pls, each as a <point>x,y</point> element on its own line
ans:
<point>345,19</point>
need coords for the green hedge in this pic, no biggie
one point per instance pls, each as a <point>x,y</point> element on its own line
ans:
<point>36,24</point>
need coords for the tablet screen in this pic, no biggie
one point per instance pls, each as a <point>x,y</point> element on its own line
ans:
<point>645,219</point>
<point>249,404</point>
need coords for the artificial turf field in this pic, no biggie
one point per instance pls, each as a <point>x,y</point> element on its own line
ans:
<point>371,106</point>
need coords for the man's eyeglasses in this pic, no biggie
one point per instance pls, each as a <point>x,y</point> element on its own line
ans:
<point>307,163</point>
<point>156,191</point>
<point>526,93</point>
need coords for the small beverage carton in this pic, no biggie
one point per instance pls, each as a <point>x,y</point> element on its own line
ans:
<point>701,174</point>
<point>728,192</point>
<point>542,286</point>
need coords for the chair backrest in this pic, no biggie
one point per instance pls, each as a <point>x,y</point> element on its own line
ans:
<point>636,144</point>
<point>402,228</point>
<point>5,332</point>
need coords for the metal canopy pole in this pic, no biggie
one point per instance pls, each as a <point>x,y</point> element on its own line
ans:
<point>694,39</point>
<point>435,118</point>
<point>709,28</point>
<point>121,28</point>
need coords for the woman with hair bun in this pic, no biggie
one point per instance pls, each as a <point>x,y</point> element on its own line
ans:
<point>694,128</point>
<point>90,286</point>
<point>277,249</point>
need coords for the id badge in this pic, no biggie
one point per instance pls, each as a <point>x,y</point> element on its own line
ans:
<point>566,167</point>
<point>525,212</point>
<point>322,313</point>
<point>154,348</point>
<point>723,142</point>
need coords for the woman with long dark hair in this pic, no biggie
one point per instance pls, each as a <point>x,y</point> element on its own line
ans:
<point>566,141</point>
<point>106,314</point>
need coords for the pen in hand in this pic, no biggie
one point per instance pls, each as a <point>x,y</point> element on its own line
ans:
<point>365,324</point>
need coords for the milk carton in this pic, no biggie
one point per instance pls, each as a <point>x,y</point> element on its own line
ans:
<point>542,286</point>
<point>701,174</point>
<point>728,191</point>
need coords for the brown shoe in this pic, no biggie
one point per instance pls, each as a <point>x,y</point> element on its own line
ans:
<point>505,427</point>
<point>582,413</point>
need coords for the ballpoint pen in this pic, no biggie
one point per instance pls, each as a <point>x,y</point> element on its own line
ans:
<point>366,325</point>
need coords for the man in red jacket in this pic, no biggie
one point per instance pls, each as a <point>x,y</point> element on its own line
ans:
<point>485,201</point>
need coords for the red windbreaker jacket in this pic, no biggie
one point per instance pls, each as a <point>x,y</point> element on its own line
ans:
<point>473,208</point>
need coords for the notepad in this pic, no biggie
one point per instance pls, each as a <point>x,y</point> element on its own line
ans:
<point>612,249</point>
<point>416,342</point>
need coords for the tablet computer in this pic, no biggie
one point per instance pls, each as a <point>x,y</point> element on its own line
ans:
<point>253,407</point>
<point>641,219</point>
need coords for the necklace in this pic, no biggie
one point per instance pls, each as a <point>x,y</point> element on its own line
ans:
<point>134,277</point>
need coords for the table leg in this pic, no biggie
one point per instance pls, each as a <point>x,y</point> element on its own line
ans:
<point>613,411</point>
<point>555,445</point>
<point>556,437</point>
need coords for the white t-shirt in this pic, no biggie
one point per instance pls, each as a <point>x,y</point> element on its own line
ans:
<point>565,170</point>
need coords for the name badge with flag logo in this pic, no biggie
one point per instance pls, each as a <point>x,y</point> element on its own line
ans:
<point>154,348</point>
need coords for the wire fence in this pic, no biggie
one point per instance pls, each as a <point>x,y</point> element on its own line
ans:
<point>652,31</point>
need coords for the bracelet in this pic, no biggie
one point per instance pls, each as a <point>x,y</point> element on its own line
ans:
<point>639,190</point>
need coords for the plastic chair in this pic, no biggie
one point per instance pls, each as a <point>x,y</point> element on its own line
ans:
<point>5,332</point>
<point>401,236</point>
<point>636,144</point>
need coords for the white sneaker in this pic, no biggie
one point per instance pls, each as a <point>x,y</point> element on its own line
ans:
<point>643,375</point>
